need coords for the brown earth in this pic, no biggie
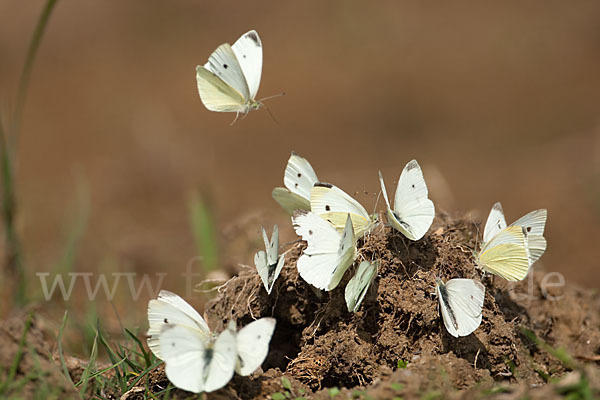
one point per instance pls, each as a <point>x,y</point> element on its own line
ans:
<point>318,344</point>
<point>36,367</point>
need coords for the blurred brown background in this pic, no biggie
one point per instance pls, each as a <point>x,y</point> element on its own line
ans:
<point>499,101</point>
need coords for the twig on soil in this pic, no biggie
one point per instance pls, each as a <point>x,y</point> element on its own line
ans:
<point>476,356</point>
<point>252,294</point>
<point>217,288</point>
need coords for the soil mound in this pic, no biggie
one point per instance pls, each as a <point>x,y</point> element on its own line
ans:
<point>397,337</point>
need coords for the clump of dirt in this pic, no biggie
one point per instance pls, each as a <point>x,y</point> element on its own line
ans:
<point>398,334</point>
<point>36,372</point>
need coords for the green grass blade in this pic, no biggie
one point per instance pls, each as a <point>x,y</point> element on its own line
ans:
<point>85,377</point>
<point>142,374</point>
<point>204,230</point>
<point>98,373</point>
<point>120,375</point>
<point>141,347</point>
<point>24,79</point>
<point>60,347</point>
<point>8,136</point>
<point>17,360</point>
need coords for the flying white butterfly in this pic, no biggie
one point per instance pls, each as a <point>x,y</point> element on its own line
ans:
<point>252,344</point>
<point>358,286</point>
<point>299,179</point>
<point>192,363</point>
<point>328,254</point>
<point>461,303</point>
<point>334,205</point>
<point>228,82</point>
<point>269,263</point>
<point>413,212</point>
<point>533,224</point>
<point>167,309</point>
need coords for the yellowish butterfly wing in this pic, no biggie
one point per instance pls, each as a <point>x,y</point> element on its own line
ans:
<point>216,94</point>
<point>333,204</point>
<point>338,220</point>
<point>506,254</point>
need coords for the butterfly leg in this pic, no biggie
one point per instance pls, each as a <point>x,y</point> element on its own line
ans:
<point>237,114</point>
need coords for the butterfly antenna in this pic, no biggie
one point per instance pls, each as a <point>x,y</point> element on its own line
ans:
<point>270,97</point>
<point>476,236</point>
<point>377,201</point>
<point>270,113</point>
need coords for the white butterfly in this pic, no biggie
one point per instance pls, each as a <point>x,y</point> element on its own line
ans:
<point>167,309</point>
<point>413,212</point>
<point>533,224</point>
<point>358,286</point>
<point>328,254</point>
<point>461,302</point>
<point>252,344</point>
<point>228,82</point>
<point>269,263</point>
<point>299,179</point>
<point>334,205</point>
<point>192,363</point>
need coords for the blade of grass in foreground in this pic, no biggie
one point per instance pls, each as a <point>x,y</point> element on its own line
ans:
<point>8,139</point>
<point>87,373</point>
<point>60,347</point>
<point>17,360</point>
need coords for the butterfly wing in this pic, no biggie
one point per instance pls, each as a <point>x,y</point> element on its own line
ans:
<point>465,298</point>
<point>217,95</point>
<point>290,201</point>
<point>224,64</point>
<point>534,222</point>
<point>506,254</point>
<point>269,264</point>
<point>318,262</point>
<point>253,345</point>
<point>272,246</point>
<point>413,212</point>
<point>495,223</point>
<point>183,352</point>
<point>346,254</point>
<point>448,316</point>
<point>169,308</point>
<point>278,268</point>
<point>536,246</point>
<point>262,266</point>
<point>249,53</point>
<point>358,286</point>
<point>333,204</point>
<point>299,176</point>
<point>222,364</point>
